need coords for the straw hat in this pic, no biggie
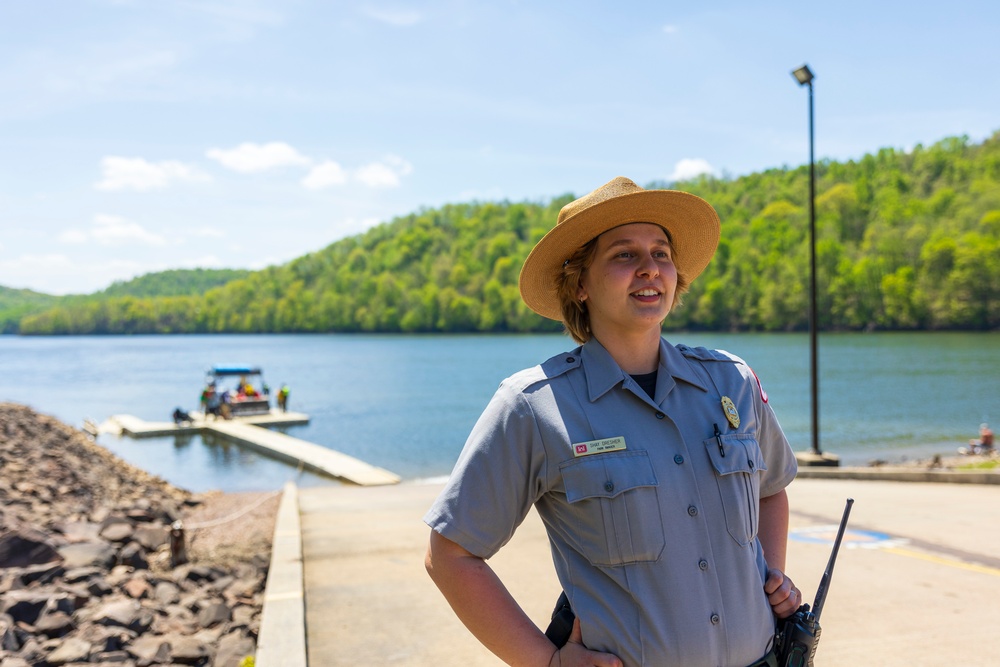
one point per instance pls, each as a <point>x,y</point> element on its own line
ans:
<point>692,223</point>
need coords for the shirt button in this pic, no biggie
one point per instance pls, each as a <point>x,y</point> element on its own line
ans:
<point>692,510</point>
<point>716,619</point>
<point>570,360</point>
<point>678,459</point>
<point>703,564</point>
<point>660,415</point>
<point>609,486</point>
<point>750,463</point>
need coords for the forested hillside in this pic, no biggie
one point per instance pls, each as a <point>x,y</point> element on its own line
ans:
<point>16,303</point>
<point>906,240</point>
<point>177,282</point>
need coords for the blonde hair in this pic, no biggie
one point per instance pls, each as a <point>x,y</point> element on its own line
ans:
<point>575,316</point>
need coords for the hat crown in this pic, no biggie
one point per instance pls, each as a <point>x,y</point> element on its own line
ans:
<point>690,221</point>
<point>614,188</point>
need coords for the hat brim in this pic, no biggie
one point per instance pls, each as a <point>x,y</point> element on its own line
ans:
<point>692,223</point>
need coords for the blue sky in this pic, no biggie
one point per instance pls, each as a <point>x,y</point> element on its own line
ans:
<point>143,135</point>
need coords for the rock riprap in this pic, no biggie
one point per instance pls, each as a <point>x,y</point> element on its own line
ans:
<point>86,573</point>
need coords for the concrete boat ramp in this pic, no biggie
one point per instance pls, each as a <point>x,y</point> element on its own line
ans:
<point>249,432</point>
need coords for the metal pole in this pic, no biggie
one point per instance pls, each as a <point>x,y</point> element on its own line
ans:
<point>813,325</point>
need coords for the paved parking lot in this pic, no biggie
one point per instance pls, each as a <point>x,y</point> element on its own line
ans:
<point>917,581</point>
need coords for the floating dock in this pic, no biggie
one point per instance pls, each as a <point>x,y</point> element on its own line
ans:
<point>249,431</point>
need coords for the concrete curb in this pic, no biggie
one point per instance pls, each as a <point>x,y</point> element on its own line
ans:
<point>282,638</point>
<point>902,475</point>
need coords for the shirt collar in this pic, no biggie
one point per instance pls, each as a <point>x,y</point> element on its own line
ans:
<point>603,372</point>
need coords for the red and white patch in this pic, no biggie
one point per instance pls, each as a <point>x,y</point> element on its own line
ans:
<point>763,394</point>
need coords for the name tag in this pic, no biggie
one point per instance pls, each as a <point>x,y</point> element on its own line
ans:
<point>599,446</point>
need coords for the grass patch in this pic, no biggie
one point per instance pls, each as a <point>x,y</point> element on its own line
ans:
<point>981,465</point>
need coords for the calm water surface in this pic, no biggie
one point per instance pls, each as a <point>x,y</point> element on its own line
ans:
<point>406,403</point>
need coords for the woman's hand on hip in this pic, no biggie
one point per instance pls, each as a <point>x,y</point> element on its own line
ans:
<point>575,654</point>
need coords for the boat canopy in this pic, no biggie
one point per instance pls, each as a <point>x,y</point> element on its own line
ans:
<point>225,371</point>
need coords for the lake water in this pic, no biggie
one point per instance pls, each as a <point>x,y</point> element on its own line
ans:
<point>407,403</point>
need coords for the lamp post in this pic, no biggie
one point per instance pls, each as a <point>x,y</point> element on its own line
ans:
<point>805,78</point>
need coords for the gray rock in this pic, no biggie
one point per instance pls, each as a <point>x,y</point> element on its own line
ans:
<point>81,574</point>
<point>133,555</point>
<point>213,614</point>
<point>166,593</point>
<point>71,649</point>
<point>150,650</point>
<point>117,611</point>
<point>55,624</point>
<point>116,529</point>
<point>99,587</point>
<point>188,650</point>
<point>152,537</point>
<point>80,531</point>
<point>8,637</point>
<point>42,574</point>
<point>86,554</point>
<point>120,658</point>
<point>23,548</point>
<point>24,606</point>
<point>232,649</point>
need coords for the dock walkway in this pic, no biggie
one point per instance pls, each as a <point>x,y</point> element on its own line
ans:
<point>248,431</point>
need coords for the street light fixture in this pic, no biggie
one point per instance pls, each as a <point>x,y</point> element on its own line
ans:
<point>805,77</point>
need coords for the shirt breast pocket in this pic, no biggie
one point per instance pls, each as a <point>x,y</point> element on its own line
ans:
<point>615,509</point>
<point>738,476</point>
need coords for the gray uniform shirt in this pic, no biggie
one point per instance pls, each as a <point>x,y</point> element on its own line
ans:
<point>651,517</point>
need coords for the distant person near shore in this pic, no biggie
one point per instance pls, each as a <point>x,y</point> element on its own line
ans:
<point>658,470</point>
<point>283,397</point>
<point>984,445</point>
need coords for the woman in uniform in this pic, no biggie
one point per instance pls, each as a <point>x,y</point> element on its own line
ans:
<point>658,470</point>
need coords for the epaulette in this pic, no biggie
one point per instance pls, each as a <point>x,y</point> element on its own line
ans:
<point>553,367</point>
<point>706,354</point>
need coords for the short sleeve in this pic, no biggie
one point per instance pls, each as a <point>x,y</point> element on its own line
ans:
<point>781,464</point>
<point>497,478</point>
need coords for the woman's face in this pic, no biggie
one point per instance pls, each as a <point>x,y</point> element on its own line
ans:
<point>630,284</point>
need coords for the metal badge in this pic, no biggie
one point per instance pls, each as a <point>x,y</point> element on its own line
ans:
<point>731,413</point>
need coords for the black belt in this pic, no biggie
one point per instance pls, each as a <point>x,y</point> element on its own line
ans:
<point>769,660</point>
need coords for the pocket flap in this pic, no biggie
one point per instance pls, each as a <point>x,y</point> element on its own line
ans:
<point>607,475</point>
<point>742,454</point>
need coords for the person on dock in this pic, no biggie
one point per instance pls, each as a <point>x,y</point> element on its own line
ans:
<point>181,417</point>
<point>283,397</point>
<point>211,400</point>
<point>659,471</point>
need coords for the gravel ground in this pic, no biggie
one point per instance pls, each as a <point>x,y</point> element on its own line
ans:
<point>229,527</point>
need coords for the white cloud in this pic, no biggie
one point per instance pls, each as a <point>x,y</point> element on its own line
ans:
<point>385,174</point>
<point>689,168</point>
<point>122,173</point>
<point>116,230</point>
<point>396,17</point>
<point>403,167</point>
<point>670,29</point>
<point>250,157</point>
<point>378,175</point>
<point>324,175</point>
<point>207,232</point>
<point>205,261</point>
<point>73,237</point>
